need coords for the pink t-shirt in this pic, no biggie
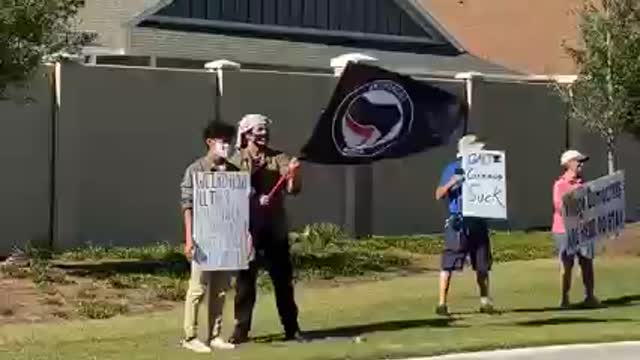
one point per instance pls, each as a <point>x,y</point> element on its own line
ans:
<point>563,185</point>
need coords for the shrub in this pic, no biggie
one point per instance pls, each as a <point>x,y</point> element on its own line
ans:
<point>264,282</point>
<point>53,300</point>
<point>98,309</point>
<point>34,252</point>
<point>345,262</point>
<point>61,314</point>
<point>170,289</point>
<point>14,271</point>
<point>317,237</point>
<point>124,281</point>
<point>425,245</point>
<point>159,252</point>
<point>43,273</point>
<point>87,292</point>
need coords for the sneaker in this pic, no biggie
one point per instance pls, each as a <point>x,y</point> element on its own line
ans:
<point>487,309</point>
<point>295,336</point>
<point>239,338</point>
<point>486,306</point>
<point>196,345</point>
<point>591,303</point>
<point>220,344</point>
<point>442,310</point>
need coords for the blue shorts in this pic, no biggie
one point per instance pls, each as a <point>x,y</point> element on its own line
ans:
<point>466,237</point>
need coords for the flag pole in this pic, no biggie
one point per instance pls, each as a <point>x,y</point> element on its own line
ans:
<point>278,186</point>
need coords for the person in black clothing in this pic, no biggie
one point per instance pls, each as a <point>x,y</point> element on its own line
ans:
<point>268,226</point>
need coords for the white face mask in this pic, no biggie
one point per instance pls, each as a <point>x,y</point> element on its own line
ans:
<point>221,149</point>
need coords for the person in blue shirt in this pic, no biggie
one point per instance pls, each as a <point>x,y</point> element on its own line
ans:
<point>464,236</point>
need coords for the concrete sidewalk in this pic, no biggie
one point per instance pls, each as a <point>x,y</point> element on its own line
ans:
<point>610,351</point>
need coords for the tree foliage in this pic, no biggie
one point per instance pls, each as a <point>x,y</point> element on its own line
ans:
<point>605,98</point>
<point>33,30</point>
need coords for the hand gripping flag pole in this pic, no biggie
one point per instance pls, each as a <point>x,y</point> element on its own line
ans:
<point>278,186</point>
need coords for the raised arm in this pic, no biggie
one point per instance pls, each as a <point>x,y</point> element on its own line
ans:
<point>448,181</point>
<point>443,190</point>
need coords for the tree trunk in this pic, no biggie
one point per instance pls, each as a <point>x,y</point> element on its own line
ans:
<point>610,137</point>
<point>611,152</point>
<point>611,161</point>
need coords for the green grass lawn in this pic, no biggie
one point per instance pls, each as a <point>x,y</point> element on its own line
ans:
<point>393,317</point>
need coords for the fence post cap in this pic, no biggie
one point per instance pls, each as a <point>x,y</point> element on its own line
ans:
<point>222,64</point>
<point>565,79</point>
<point>468,75</point>
<point>338,63</point>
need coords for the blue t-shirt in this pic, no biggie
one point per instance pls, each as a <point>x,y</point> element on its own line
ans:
<point>454,196</point>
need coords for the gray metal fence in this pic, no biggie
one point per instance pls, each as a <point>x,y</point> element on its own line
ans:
<point>125,136</point>
<point>121,137</point>
<point>25,160</point>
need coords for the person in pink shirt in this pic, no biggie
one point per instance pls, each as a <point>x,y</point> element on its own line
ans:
<point>572,161</point>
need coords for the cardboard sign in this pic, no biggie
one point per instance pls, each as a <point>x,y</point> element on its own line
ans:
<point>484,190</point>
<point>221,220</point>
<point>595,210</point>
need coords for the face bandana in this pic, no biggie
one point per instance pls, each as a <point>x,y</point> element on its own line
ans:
<point>249,123</point>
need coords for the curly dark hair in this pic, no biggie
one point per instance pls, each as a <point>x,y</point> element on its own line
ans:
<point>218,130</point>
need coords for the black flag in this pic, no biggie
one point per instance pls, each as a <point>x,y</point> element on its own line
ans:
<point>378,114</point>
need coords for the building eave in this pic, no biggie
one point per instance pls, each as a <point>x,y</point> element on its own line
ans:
<point>101,50</point>
<point>154,7</point>
<point>277,31</point>
<point>423,17</point>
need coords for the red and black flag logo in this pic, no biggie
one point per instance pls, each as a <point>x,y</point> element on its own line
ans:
<point>376,114</point>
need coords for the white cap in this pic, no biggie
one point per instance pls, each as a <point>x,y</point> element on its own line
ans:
<point>572,155</point>
<point>469,143</point>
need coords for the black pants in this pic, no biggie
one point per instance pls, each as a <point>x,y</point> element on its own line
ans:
<point>275,258</point>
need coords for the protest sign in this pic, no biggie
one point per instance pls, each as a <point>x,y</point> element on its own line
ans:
<point>594,211</point>
<point>484,190</point>
<point>221,220</point>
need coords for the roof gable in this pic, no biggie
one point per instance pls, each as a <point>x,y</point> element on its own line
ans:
<point>384,24</point>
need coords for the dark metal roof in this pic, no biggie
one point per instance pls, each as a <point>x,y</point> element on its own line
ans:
<point>395,25</point>
<point>304,34</point>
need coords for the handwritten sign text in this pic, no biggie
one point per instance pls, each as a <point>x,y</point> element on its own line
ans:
<point>484,190</point>
<point>221,220</point>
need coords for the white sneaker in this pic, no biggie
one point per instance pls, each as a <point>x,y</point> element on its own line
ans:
<point>486,306</point>
<point>196,345</point>
<point>220,344</point>
<point>486,301</point>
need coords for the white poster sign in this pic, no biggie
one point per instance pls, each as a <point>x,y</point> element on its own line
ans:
<point>484,190</point>
<point>594,211</point>
<point>221,220</point>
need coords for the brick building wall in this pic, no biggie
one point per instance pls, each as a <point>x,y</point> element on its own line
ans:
<point>524,35</point>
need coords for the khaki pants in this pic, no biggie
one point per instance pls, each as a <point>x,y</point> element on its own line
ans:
<point>216,283</point>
